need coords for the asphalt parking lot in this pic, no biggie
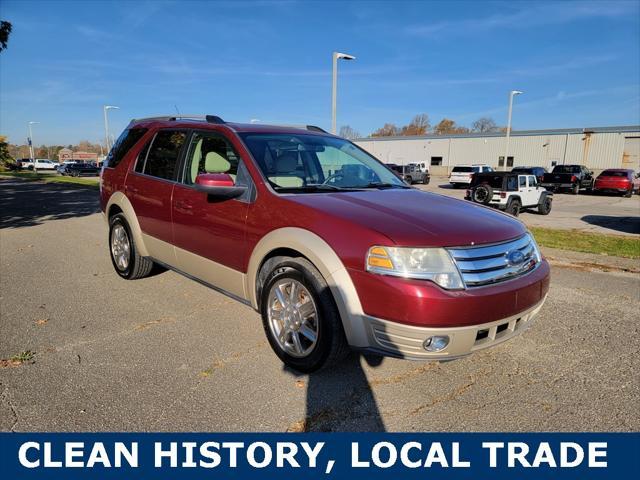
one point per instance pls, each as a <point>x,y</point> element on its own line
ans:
<point>166,353</point>
<point>609,214</point>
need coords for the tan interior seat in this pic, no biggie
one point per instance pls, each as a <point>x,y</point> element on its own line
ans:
<point>285,174</point>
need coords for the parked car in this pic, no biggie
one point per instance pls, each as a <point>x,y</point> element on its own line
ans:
<point>41,164</point>
<point>510,191</point>
<point>568,177</point>
<point>412,174</point>
<point>398,170</point>
<point>461,174</point>
<point>331,259</point>
<point>78,169</point>
<point>537,171</point>
<point>617,180</point>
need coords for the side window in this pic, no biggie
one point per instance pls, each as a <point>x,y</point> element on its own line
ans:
<point>512,184</point>
<point>533,182</point>
<point>522,181</point>
<point>210,153</point>
<point>163,155</point>
<point>125,141</point>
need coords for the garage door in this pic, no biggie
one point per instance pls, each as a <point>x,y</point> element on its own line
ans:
<point>631,154</point>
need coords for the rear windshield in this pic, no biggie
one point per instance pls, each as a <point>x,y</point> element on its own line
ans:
<point>612,173</point>
<point>463,169</point>
<point>495,181</point>
<point>566,169</point>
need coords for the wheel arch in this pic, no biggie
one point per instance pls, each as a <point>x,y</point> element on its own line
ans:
<point>293,241</point>
<point>119,203</point>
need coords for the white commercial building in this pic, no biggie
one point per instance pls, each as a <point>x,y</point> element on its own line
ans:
<point>597,148</point>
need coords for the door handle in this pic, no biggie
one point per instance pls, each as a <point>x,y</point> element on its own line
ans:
<point>183,207</point>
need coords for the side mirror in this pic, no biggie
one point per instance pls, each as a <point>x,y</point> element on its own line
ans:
<point>218,185</point>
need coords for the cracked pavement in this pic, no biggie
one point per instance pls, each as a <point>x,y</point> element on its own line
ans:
<point>166,353</point>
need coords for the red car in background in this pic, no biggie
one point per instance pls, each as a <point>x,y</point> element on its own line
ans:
<point>617,180</point>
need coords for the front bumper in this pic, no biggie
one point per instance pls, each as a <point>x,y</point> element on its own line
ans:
<point>406,341</point>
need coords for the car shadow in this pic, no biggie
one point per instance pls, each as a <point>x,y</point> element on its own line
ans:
<point>629,225</point>
<point>447,186</point>
<point>340,398</point>
<point>26,203</point>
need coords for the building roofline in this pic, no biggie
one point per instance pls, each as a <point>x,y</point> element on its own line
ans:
<point>514,133</point>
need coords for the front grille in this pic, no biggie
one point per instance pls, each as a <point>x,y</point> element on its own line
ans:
<point>486,265</point>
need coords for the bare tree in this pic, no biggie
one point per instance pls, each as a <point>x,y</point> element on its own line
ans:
<point>484,125</point>
<point>418,126</point>
<point>5,30</point>
<point>349,133</point>
<point>389,130</point>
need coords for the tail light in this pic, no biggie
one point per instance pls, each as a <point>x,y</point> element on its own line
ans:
<point>503,194</point>
<point>573,178</point>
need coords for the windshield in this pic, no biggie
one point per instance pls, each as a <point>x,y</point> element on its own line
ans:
<point>300,162</point>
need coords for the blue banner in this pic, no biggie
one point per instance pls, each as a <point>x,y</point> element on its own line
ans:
<point>319,455</point>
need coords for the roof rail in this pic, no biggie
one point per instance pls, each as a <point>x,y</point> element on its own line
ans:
<point>313,128</point>
<point>173,118</point>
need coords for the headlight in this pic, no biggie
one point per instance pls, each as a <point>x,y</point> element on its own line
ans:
<point>536,249</point>
<point>433,264</point>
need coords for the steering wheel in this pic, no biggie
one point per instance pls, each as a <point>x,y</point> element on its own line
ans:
<point>333,176</point>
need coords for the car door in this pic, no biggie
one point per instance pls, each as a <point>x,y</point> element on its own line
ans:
<point>209,233</point>
<point>532,190</point>
<point>149,187</point>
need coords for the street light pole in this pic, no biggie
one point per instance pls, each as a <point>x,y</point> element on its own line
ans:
<point>506,151</point>
<point>334,93</point>
<point>106,123</point>
<point>33,158</point>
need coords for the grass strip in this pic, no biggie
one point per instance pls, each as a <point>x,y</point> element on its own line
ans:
<point>52,178</point>
<point>578,241</point>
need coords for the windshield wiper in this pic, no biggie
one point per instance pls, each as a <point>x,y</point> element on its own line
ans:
<point>384,185</point>
<point>316,187</point>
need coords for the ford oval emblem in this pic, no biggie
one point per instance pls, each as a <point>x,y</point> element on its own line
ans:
<point>514,257</point>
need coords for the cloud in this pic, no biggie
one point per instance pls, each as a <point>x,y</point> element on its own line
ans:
<point>535,15</point>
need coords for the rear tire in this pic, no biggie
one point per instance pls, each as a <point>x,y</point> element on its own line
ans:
<point>125,258</point>
<point>628,193</point>
<point>513,208</point>
<point>293,287</point>
<point>575,190</point>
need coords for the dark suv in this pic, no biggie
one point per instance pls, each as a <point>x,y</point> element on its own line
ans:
<point>321,238</point>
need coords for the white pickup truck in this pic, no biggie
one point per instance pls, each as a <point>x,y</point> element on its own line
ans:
<point>41,164</point>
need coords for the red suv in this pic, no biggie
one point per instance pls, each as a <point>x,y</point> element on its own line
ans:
<point>330,246</point>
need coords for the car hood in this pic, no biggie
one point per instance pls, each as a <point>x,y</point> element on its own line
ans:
<point>416,218</point>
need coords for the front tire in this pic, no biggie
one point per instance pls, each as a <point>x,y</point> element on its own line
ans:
<point>299,315</point>
<point>544,208</point>
<point>124,255</point>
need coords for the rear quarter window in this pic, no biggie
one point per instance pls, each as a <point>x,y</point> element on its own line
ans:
<point>124,143</point>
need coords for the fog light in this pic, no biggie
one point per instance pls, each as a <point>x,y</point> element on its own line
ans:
<point>436,343</point>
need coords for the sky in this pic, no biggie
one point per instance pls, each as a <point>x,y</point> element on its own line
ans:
<point>578,63</point>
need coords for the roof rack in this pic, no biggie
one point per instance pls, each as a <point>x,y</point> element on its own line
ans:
<point>173,118</point>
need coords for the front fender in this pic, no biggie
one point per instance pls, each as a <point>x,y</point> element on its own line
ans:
<point>325,259</point>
